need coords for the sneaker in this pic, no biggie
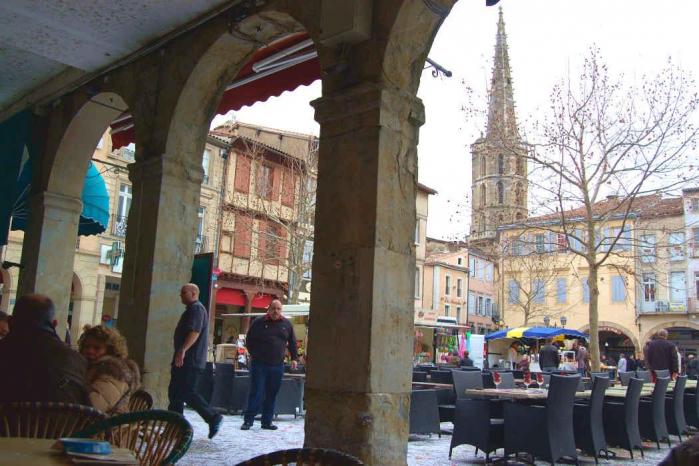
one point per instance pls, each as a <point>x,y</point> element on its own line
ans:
<point>269,427</point>
<point>215,425</point>
<point>246,426</point>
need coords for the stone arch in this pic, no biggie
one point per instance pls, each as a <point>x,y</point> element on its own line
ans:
<point>669,324</point>
<point>6,287</point>
<point>71,146</point>
<point>619,328</point>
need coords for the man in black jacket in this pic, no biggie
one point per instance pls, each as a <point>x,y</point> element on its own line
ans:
<point>549,357</point>
<point>35,364</point>
<point>661,354</point>
<point>267,341</point>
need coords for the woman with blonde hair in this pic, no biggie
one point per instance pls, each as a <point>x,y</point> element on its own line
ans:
<point>111,376</point>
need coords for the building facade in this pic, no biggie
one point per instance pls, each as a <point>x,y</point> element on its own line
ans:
<point>422,210</point>
<point>499,186</point>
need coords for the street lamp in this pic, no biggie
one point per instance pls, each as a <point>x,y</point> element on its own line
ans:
<point>564,321</point>
<point>547,320</point>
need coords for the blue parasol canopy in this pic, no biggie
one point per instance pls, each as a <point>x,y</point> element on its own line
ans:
<point>535,333</point>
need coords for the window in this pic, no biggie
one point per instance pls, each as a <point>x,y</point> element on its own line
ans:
<point>417,232</point>
<point>479,306</point>
<point>472,266</point>
<point>696,284</point>
<point>264,181</point>
<point>458,313</point>
<point>649,287</point>
<point>483,166</point>
<point>561,290</point>
<point>205,162</point>
<point>501,164</point>
<point>538,291</point>
<point>618,289</point>
<point>489,273</point>
<point>124,202</point>
<point>561,242</point>
<point>695,242</point>
<point>417,282</point>
<point>647,249</point>
<point>307,259</point>
<point>446,310</point>
<point>471,305</point>
<point>483,200</point>
<point>488,307</point>
<point>694,204</point>
<point>480,270</point>
<point>519,195</point>
<point>199,240</point>
<point>576,240</point>
<point>585,290</point>
<point>517,249</point>
<point>678,287</point>
<point>513,294</point>
<point>459,260</point>
<point>501,193</point>
<point>676,246</point>
<point>447,285</point>
<point>459,283</point>
<point>540,240</point>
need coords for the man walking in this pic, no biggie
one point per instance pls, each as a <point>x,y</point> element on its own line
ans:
<point>581,358</point>
<point>189,361</point>
<point>549,357</point>
<point>267,341</point>
<point>661,355</point>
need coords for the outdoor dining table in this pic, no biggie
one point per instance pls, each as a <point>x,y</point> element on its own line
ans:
<point>432,385</point>
<point>15,451</point>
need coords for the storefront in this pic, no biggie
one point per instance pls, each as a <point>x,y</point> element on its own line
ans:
<point>434,340</point>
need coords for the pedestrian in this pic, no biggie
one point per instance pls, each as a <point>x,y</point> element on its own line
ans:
<point>513,356</point>
<point>581,358</point>
<point>466,361</point>
<point>189,360</point>
<point>631,363</point>
<point>662,355</point>
<point>267,340</point>
<point>549,359</point>
<point>111,376</point>
<point>4,325</point>
<point>621,366</point>
<point>692,367</point>
<point>35,364</point>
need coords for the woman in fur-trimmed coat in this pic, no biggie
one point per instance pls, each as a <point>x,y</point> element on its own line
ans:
<point>111,376</point>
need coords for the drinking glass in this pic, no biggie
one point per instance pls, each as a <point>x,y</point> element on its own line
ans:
<point>539,379</point>
<point>527,379</point>
<point>497,379</point>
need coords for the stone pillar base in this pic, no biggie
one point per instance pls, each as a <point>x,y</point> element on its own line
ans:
<point>373,426</point>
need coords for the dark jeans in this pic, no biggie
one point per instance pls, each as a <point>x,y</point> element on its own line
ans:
<point>265,381</point>
<point>183,389</point>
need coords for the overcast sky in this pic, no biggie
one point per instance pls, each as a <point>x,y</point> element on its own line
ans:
<point>547,39</point>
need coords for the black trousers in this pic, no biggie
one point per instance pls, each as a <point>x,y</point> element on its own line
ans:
<point>183,389</point>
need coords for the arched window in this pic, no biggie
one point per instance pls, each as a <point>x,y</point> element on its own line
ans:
<point>519,198</point>
<point>482,165</point>
<point>501,193</point>
<point>520,165</point>
<point>483,200</point>
<point>501,164</point>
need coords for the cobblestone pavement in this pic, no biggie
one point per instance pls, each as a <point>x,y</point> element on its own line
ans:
<point>232,446</point>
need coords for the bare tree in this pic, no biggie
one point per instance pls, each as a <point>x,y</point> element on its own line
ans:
<point>603,146</point>
<point>281,199</point>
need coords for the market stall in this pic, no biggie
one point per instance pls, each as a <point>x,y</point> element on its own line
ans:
<point>433,341</point>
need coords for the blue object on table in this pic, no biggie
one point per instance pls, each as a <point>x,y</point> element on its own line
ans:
<point>81,445</point>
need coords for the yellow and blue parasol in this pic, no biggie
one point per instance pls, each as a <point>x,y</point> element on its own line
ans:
<point>535,333</point>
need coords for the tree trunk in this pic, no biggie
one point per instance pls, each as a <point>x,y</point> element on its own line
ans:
<point>594,317</point>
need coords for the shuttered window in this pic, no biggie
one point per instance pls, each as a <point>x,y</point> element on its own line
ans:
<point>561,291</point>
<point>513,294</point>
<point>618,289</point>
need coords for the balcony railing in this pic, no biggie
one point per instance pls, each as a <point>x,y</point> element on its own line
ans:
<point>119,226</point>
<point>671,307</point>
<point>200,244</point>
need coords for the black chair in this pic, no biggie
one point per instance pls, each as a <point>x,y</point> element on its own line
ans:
<point>643,375</point>
<point>470,369</point>
<point>474,425</point>
<point>288,399</point>
<point>621,419</point>
<point>662,373</point>
<point>625,377</point>
<point>419,376</point>
<point>518,374</point>
<point>553,437</point>
<point>441,377</point>
<point>424,412</point>
<point>507,380</point>
<point>224,381</point>
<point>241,390</point>
<point>651,414</point>
<point>691,407</point>
<point>487,380</point>
<point>466,380</point>
<point>674,407</point>
<point>427,367</point>
<point>588,421</point>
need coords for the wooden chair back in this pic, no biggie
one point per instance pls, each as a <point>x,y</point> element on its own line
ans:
<point>45,420</point>
<point>141,400</point>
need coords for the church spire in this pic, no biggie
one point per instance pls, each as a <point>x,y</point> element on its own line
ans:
<point>501,104</point>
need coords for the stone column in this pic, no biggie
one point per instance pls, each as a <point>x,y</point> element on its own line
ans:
<point>158,261</point>
<point>363,274</point>
<point>49,249</point>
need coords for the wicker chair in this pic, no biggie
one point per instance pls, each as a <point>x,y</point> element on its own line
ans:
<point>45,420</point>
<point>140,401</point>
<point>156,436</point>
<point>304,456</point>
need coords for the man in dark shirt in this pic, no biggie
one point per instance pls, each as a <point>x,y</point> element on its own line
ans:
<point>267,341</point>
<point>549,357</point>
<point>35,364</point>
<point>189,361</point>
<point>661,354</point>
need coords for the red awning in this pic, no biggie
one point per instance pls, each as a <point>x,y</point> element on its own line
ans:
<point>286,72</point>
<point>230,296</point>
<point>262,301</point>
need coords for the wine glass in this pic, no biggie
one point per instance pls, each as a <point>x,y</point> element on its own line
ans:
<point>539,379</point>
<point>497,379</point>
<point>527,379</point>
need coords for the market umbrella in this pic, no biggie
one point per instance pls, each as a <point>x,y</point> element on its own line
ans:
<point>535,333</point>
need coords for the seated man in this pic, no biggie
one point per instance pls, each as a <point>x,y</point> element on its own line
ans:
<point>35,364</point>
